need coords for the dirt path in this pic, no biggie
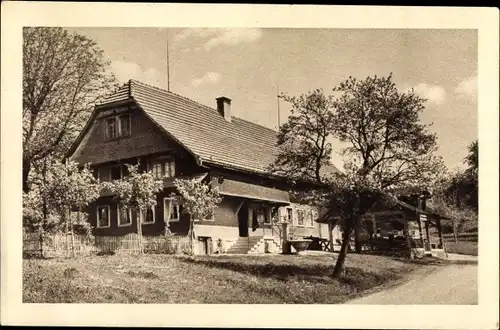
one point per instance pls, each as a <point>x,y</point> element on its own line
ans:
<point>453,285</point>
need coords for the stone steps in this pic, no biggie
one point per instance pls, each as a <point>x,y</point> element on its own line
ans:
<point>254,245</point>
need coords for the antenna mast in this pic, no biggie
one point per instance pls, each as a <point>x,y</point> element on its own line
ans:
<point>168,66</point>
<point>278,99</point>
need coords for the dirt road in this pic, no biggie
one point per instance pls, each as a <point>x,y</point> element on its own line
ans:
<point>451,285</point>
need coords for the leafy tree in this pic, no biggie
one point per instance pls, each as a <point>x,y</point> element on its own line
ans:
<point>136,191</point>
<point>64,75</point>
<point>68,188</point>
<point>385,137</point>
<point>62,187</point>
<point>464,185</point>
<point>198,200</point>
<point>388,149</point>
<point>303,139</point>
<point>456,194</point>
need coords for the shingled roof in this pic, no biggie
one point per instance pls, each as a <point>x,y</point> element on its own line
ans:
<point>238,144</point>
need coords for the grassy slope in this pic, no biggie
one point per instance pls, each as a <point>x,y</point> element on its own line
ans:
<point>222,279</point>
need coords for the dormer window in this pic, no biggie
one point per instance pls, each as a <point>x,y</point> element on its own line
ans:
<point>117,126</point>
<point>163,168</point>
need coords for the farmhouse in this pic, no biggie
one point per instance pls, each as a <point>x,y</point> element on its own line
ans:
<point>175,137</point>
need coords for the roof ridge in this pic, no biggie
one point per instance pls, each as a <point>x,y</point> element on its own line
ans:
<point>166,91</point>
<point>198,103</point>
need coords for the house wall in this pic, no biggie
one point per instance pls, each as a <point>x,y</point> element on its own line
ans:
<point>146,138</point>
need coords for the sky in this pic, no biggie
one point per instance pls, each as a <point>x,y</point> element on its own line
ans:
<point>249,65</point>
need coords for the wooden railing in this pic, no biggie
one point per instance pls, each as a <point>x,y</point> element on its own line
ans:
<point>461,237</point>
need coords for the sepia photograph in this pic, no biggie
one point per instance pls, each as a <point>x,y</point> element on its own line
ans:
<point>249,165</point>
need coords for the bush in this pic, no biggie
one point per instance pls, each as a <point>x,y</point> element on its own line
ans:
<point>469,248</point>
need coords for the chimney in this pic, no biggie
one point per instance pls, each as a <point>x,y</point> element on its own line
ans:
<point>224,107</point>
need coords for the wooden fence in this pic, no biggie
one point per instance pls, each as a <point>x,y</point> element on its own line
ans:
<point>60,244</point>
<point>460,237</point>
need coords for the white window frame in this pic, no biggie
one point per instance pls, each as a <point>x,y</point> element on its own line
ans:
<point>117,126</point>
<point>175,202</point>
<point>98,217</point>
<point>142,216</point>
<point>303,218</point>
<point>310,219</point>
<point>257,210</point>
<point>106,131</point>
<point>118,216</point>
<point>163,161</point>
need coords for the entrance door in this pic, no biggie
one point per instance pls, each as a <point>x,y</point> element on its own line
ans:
<point>243,221</point>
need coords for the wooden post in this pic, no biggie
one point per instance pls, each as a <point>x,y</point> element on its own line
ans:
<point>427,235</point>
<point>420,230</point>
<point>407,237</point>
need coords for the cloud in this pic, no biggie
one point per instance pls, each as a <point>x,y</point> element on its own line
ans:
<point>124,71</point>
<point>433,93</point>
<point>207,78</point>
<point>218,37</point>
<point>467,88</point>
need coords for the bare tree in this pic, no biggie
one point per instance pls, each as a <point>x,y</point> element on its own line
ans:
<point>64,75</point>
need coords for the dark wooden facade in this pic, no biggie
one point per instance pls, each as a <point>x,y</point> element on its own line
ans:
<point>242,191</point>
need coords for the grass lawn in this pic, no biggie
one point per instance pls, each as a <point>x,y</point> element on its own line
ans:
<point>207,279</point>
<point>469,248</point>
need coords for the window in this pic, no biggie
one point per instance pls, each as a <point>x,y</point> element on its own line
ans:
<point>118,126</point>
<point>109,173</point>
<point>103,217</point>
<point>300,218</point>
<point>260,214</point>
<point>171,206</point>
<point>163,168</point>
<point>289,215</point>
<point>310,220</point>
<point>150,216</point>
<point>124,125</point>
<point>115,172</point>
<point>124,216</point>
<point>208,217</point>
<point>111,128</point>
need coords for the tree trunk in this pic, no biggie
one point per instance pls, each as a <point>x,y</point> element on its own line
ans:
<point>191,234</point>
<point>40,237</point>
<point>455,235</point>
<point>66,230</point>
<point>139,229</point>
<point>357,234</point>
<point>339,265</point>
<point>26,172</point>
<point>71,232</point>
<point>330,236</point>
